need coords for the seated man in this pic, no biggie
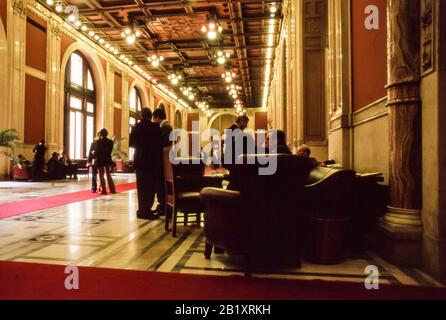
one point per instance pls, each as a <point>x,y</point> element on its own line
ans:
<point>56,168</point>
<point>305,151</point>
<point>276,139</point>
<point>70,168</point>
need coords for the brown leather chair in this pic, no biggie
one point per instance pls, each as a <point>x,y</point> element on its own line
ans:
<point>263,218</point>
<point>183,185</point>
<point>329,192</point>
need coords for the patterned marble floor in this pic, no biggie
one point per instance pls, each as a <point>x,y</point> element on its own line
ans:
<point>105,233</point>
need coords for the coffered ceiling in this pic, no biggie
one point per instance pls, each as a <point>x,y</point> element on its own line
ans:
<point>173,29</point>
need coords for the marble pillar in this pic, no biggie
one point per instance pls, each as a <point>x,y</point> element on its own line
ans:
<point>16,35</point>
<point>53,103</point>
<point>400,231</point>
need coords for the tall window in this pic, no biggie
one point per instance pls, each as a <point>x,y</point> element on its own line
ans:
<point>135,105</point>
<point>80,109</point>
<point>135,108</point>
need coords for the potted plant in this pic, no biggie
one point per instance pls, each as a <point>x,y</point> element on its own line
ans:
<point>9,140</point>
<point>118,155</point>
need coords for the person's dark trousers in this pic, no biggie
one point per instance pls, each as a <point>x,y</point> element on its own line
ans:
<point>146,185</point>
<point>37,171</point>
<point>161,195</point>
<point>94,179</point>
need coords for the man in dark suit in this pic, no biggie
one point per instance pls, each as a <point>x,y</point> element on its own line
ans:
<point>159,117</point>
<point>39,160</point>
<point>145,138</point>
<point>104,162</point>
<point>92,163</point>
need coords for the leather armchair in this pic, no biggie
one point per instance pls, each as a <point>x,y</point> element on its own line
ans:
<point>263,218</point>
<point>329,192</point>
<point>21,172</point>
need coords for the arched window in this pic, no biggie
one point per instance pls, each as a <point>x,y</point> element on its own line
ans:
<point>135,105</point>
<point>135,108</point>
<point>80,108</point>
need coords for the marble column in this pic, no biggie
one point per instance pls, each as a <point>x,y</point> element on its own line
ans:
<point>125,111</point>
<point>16,36</point>
<point>401,228</point>
<point>109,97</point>
<point>53,103</point>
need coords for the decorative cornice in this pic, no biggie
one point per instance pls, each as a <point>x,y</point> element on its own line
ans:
<point>19,7</point>
<point>55,30</point>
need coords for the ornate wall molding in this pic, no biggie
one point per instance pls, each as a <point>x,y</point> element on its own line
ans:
<point>428,39</point>
<point>20,7</point>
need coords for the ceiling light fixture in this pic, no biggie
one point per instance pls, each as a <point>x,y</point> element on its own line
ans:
<point>130,35</point>
<point>221,57</point>
<point>155,60</point>
<point>175,78</point>
<point>213,30</point>
<point>59,7</point>
<point>228,76</point>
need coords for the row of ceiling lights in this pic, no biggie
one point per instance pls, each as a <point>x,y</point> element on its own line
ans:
<point>213,30</point>
<point>269,54</point>
<point>128,33</point>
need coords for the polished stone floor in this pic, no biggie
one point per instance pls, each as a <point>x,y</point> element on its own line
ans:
<point>105,232</point>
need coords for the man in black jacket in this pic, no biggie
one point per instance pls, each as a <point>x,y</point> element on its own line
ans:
<point>39,160</point>
<point>92,163</point>
<point>159,117</point>
<point>104,162</point>
<point>145,138</point>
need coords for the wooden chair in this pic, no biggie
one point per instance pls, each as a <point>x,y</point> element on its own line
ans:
<point>183,183</point>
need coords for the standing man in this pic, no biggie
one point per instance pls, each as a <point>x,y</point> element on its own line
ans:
<point>39,160</point>
<point>104,162</point>
<point>145,138</point>
<point>159,117</point>
<point>231,151</point>
<point>92,163</point>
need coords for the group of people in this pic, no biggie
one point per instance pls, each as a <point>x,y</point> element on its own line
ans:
<point>275,141</point>
<point>59,166</point>
<point>148,138</point>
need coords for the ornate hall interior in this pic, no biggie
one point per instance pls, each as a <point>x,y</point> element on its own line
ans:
<point>359,84</point>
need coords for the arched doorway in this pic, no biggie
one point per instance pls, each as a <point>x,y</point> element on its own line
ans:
<point>80,106</point>
<point>178,121</point>
<point>222,122</point>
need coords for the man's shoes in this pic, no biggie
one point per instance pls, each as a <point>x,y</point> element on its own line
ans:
<point>148,216</point>
<point>160,211</point>
<point>94,190</point>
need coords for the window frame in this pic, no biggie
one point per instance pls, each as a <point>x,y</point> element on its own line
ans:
<point>86,95</point>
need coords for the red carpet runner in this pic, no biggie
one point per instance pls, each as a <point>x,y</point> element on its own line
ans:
<point>39,281</point>
<point>27,206</point>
